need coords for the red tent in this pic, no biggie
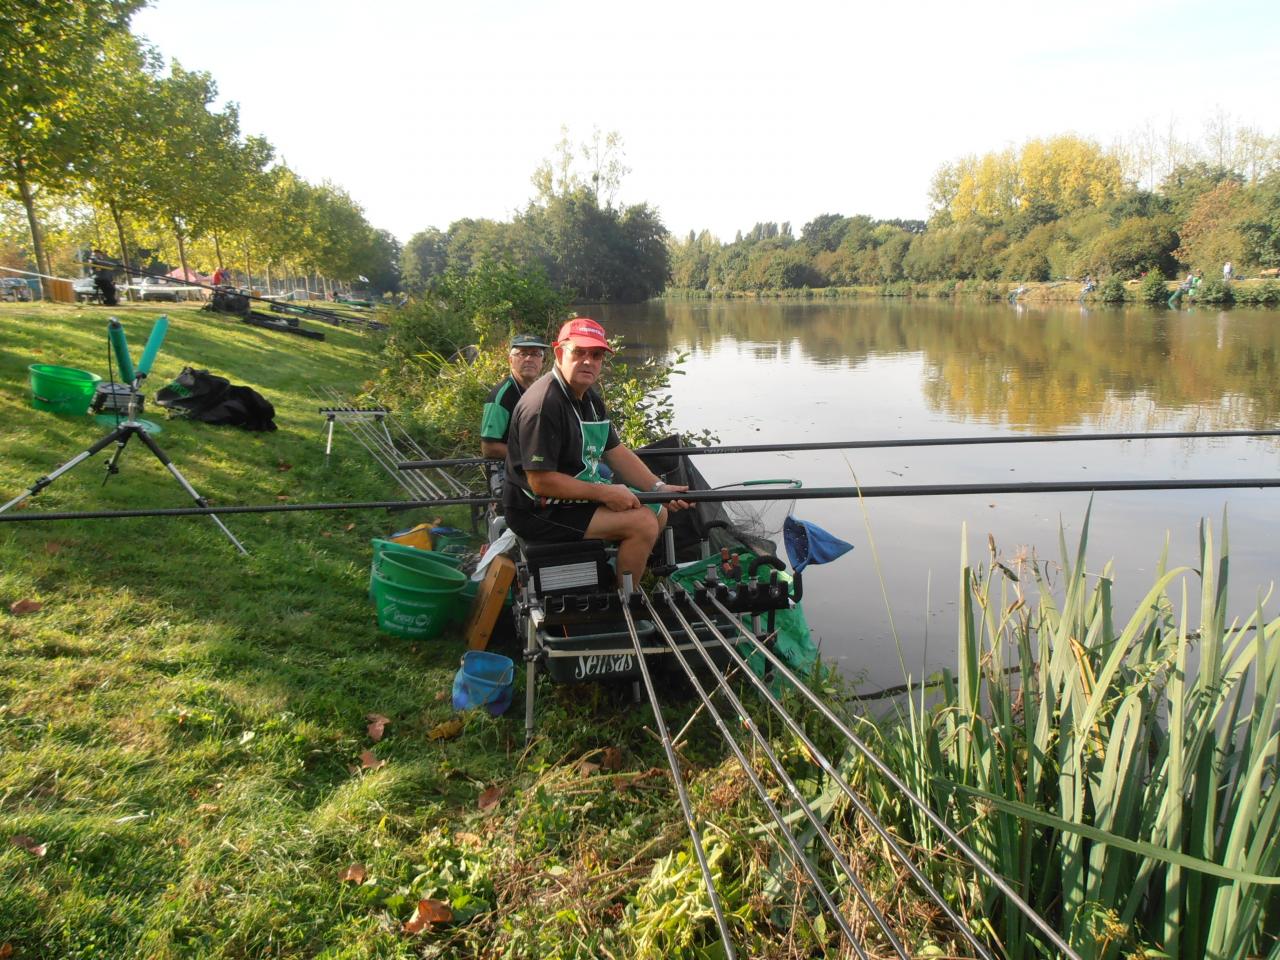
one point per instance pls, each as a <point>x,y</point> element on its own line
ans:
<point>191,276</point>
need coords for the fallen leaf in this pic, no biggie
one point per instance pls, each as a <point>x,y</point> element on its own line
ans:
<point>22,607</point>
<point>445,731</point>
<point>427,913</point>
<point>469,839</point>
<point>182,843</point>
<point>282,466</point>
<point>6,949</point>
<point>30,845</point>
<point>489,799</point>
<point>354,873</point>
<point>349,527</point>
<point>587,767</point>
<point>281,497</point>
<point>208,808</point>
<point>611,759</point>
<point>369,762</point>
<point>442,695</point>
<point>377,725</point>
<point>325,533</point>
<point>52,547</point>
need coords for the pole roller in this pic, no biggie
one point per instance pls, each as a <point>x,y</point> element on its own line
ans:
<point>120,346</point>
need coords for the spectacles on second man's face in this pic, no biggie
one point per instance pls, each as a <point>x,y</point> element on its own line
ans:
<point>534,353</point>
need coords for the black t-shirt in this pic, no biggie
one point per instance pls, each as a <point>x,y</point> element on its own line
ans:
<point>546,434</point>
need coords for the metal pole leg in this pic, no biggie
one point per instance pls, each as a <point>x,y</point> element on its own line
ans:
<point>328,443</point>
<point>160,455</point>
<point>78,459</point>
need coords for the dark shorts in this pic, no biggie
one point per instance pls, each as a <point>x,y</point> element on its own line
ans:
<point>559,523</point>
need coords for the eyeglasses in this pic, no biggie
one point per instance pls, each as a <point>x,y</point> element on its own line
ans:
<point>535,353</point>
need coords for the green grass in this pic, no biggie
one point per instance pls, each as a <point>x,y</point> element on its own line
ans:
<point>182,726</point>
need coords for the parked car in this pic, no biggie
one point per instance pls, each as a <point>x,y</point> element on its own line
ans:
<point>84,288</point>
<point>159,288</point>
<point>15,290</point>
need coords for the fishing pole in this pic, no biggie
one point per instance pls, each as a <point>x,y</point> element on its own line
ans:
<point>859,804</point>
<point>676,774</point>
<point>745,719</point>
<point>691,496</point>
<point>883,444</point>
<point>968,852</point>
<point>138,271</point>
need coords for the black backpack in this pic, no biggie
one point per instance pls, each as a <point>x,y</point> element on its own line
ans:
<point>201,395</point>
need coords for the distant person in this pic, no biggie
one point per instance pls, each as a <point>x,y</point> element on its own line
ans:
<point>105,284</point>
<point>1226,272</point>
<point>219,277</point>
<point>1088,287</point>
<point>525,359</point>
<point>1017,292</point>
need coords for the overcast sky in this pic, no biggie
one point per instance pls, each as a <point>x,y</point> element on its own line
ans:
<point>731,112</point>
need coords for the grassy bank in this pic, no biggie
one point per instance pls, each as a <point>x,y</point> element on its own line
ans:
<point>1253,292</point>
<point>185,755</point>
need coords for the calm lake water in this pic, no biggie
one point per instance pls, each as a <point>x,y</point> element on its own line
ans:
<point>769,372</point>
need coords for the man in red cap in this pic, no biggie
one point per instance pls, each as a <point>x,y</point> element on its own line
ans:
<point>559,434</point>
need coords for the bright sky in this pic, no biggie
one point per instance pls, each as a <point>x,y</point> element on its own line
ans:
<point>731,112</point>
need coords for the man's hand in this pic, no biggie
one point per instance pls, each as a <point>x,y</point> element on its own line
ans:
<point>617,497</point>
<point>674,504</point>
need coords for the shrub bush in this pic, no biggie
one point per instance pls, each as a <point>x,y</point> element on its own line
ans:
<point>1214,291</point>
<point>1112,290</point>
<point>1153,290</point>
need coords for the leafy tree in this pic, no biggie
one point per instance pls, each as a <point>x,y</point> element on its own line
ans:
<point>1260,225</point>
<point>1211,233</point>
<point>1136,246</point>
<point>425,257</point>
<point>49,48</point>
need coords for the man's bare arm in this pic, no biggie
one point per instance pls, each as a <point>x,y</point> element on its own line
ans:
<point>493,449</point>
<point>561,486</point>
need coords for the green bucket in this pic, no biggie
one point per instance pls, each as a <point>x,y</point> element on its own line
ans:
<point>418,572</point>
<point>391,548</point>
<point>415,611</point>
<point>61,389</point>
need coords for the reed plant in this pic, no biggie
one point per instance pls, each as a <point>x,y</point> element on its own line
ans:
<point>1122,774</point>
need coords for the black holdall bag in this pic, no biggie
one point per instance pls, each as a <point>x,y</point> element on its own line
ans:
<point>201,395</point>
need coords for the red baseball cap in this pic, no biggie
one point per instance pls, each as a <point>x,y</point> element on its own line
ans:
<point>583,332</point>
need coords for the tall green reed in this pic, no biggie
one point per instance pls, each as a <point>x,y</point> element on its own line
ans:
<point>1123,775</point>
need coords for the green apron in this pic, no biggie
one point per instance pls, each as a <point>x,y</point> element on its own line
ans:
<point>595,434</point>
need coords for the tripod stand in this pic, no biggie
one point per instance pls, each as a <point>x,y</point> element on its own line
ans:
<point>126,430</point>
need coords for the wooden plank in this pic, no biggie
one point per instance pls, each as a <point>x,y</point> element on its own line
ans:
<point>487,605</point>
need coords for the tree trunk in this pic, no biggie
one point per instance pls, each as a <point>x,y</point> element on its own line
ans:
<point>217,250</point>
<point>268,269</point>
<point>37,236</point>
<point>182,249</point>
<point>248,269</point>
<point>124,248</point>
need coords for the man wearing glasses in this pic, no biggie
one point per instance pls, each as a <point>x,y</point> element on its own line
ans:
<point>559,434</point>
<point>525,358</point>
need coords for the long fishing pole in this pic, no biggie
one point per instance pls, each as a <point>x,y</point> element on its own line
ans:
<point>677,775</point>
<point>859,804</point>
<point>137,271</point>
<point>744,718</point>
<point>690,496</point>
<point>884,444</point>
<point>954,838</point>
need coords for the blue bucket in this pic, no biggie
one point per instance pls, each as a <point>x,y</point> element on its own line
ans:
<point>483,680</point>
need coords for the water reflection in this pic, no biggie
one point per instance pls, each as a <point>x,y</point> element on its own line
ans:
<point>1020,366</point>
<point>773,372</point>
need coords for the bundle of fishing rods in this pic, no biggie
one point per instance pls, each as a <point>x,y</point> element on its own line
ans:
<point>680,620</point>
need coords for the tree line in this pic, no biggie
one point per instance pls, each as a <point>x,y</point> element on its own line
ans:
<point>1057,208</point>
<point>573,231</point>
<point>101,146</point>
